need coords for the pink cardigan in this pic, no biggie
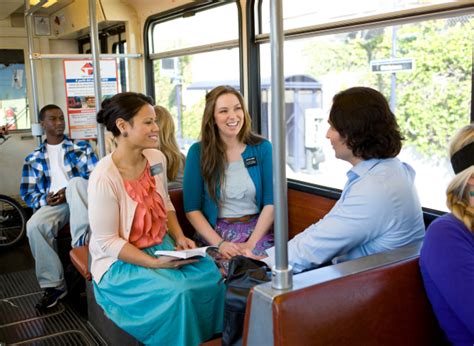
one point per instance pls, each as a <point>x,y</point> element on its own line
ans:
<point>111,210</point>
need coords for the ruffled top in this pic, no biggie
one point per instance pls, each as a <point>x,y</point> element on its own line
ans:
<point>149,222</point>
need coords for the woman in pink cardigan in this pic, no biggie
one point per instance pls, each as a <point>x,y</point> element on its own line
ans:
<point>155,299</point>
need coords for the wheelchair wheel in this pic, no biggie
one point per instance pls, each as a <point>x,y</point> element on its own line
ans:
<point>12,221</point>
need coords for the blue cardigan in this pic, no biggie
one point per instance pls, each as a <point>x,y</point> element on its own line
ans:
<point>196,195</point>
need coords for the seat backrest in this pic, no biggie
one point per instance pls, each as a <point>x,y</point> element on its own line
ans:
<point>382,306</point>
<point>176,196</point>
<point>305,209</point>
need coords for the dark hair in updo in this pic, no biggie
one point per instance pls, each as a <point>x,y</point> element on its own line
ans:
<point>124,105</point>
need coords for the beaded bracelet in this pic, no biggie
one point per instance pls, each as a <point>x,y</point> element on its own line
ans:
<point>220,243</point>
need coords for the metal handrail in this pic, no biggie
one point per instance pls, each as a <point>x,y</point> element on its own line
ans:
<point>96,68</point>
<point>39,56</point>
<point>282,276</point>
<point>35,126</point>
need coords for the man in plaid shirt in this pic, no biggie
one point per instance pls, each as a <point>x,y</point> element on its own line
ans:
<point>54,183</point>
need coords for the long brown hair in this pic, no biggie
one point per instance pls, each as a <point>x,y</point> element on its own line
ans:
<point>213,149</point>
<point>168,144</point>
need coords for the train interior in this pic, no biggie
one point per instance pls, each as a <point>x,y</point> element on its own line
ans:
<point>59,37</point>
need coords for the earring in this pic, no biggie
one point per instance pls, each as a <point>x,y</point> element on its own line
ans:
<point>125,133</point>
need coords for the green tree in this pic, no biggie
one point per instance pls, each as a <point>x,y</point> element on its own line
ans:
<point>192,120</point>
<point>166,90</point>
<point>433,99</point>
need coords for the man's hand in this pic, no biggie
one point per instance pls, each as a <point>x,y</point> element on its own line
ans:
<point>56,198</point>
<point>61,195</point>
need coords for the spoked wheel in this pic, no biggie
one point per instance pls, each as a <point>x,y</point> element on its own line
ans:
<point>12,221</point>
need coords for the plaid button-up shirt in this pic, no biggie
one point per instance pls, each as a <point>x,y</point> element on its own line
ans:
<point>79,161</point>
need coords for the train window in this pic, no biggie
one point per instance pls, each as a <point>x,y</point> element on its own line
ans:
<point>13,98</point>
<point>424,68</point>
<point>218,24</point>
<point>300,13</point>
<point>181,60</point>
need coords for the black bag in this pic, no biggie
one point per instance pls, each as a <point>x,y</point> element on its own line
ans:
<point>243,274</point>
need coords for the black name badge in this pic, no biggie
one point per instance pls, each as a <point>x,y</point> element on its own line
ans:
<point>250,162</point>
<point>156,169</point>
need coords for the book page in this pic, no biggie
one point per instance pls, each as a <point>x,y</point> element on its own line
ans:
<point>184,254</point>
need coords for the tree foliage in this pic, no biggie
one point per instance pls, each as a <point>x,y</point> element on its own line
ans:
<point>168,88</point>
<point>433,100</point>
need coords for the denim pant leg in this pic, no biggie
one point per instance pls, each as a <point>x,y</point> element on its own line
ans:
<point>41,230</point>
<point>76,195</point>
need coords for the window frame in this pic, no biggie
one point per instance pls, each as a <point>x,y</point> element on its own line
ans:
<point>425,13</point>
<point>24,53</point>
<point>184,11</point>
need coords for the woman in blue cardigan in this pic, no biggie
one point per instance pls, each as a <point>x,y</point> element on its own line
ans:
<point>228,187</point>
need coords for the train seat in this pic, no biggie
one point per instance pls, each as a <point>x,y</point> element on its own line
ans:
<point>64,233</point>
<point>79,258</point>
<point>304,209</point>
<point>176,196</point>
<point>375,300</point>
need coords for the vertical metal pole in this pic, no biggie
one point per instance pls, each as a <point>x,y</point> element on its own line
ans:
<point>96,65</point>
<point>179,111</point>
<point>297,120</point>
<point>393,80</point>
<point>281,273</point>
<point>177,81</point>
<point>36,128</point>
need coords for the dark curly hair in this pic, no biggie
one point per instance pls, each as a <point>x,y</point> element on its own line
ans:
<point>123,105</point>
<point>363,118</point>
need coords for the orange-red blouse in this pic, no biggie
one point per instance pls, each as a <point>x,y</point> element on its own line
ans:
<point>149,222</point>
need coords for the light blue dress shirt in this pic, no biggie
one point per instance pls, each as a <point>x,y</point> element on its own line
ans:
<point>378,210</point>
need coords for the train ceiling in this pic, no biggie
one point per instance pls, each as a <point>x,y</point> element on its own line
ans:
<point>18,6</point>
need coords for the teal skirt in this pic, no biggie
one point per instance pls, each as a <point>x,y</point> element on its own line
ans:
<point>182,306</point>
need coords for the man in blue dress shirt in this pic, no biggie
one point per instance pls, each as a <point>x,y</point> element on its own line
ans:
<point>379,209</point>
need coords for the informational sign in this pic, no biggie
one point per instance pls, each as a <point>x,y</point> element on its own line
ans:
<point>79,82</point>
<point>313,120</point>
<point>392,65</point>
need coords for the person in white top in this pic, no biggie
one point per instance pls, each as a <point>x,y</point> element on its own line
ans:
<point>54,184</point>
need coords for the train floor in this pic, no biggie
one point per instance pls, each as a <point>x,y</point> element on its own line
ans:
<point>22,324</point>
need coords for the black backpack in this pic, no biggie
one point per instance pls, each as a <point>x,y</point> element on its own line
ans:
<point>243,274</point>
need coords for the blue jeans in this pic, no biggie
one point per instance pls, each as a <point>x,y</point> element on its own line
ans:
<point>43,227</point>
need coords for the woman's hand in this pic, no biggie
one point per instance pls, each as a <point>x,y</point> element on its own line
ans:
<point>228,249</point>
<point>249,253</point>
<point>246,247</point>
<point>168,262</point>
<point>184,243</point>
<point>247,250</point>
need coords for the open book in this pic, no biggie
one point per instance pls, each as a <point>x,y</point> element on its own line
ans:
<point>185,254</point>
